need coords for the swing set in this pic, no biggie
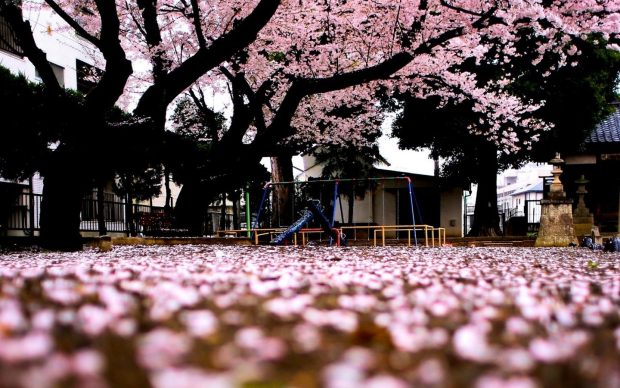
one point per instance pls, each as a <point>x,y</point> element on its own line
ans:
<point>341,234</point>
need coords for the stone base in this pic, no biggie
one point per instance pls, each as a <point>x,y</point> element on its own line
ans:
<point>556,224</point>
<point>583,226</point>
<point>555,241</point>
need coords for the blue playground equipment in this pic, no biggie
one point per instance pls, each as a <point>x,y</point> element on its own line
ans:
<point>314,209</point>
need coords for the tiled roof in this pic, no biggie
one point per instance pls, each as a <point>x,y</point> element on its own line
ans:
<point>607,131</point>
<point>533,188</point>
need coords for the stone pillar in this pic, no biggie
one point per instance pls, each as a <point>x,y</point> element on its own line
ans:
<point>556,219</point>
<point>583,221</point>
<point>618,228</point>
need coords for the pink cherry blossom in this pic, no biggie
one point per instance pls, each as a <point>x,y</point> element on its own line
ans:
<point>32,346</point>
<point>491,381</point>
<point>199,322</point>
<point>342,375</point>
<point>161,348</point>
<point>509,317</point>
<point>471,342</point>
<point>93,320</point>
<point>308,337</point>
<point>190,378</point>
<point>88,362</point>
<point>516,360</point>
<point>11,317</point>
<point>384,381</point>
<point>430,372</point>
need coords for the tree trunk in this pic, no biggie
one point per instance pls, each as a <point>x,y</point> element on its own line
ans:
<point>192,206</point>
<point>223,213</point>
<point>486,217</point>
<point>103,230</point>
<point>234,197</point>
<point>131,225</point>
<point>60,211</point>
<point>351,204</point>
<point>282,205</point>
<point>168,204</point>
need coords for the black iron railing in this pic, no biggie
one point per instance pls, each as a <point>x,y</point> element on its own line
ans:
<point>25,212</point>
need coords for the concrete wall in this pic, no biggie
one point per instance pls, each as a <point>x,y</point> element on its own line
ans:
<point>59,42</point>
<point>451,212</point>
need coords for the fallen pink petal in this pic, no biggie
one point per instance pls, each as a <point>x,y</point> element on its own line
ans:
<point>225,316</point>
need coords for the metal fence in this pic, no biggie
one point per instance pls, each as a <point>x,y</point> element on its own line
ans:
<point>468,219</point>
<point>24,214</point>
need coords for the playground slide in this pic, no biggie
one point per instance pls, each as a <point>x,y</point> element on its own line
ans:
<point>315,208</point>
<point>314,211</point>
<point>297,225</point>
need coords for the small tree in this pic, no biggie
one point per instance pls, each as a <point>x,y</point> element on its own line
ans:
<point>349,162</point>
<point>198,129</point>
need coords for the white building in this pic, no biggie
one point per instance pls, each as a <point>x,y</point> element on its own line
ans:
<point>519,191</point>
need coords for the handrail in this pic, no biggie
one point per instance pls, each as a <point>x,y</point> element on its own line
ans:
<point>305,231</point>
<point>411,228</point>
<point>429,233</point>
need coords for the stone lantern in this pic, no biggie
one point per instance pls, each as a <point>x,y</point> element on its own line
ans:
<point>556,219</point>
<point>556,190</point>
<point>583,220</point>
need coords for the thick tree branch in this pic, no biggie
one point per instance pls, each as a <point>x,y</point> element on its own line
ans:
<point>151,26</point>
<point>202,43</point>
<point>73,23</point>
<point>256,99</point>
<point>242,116</point>
<point>153,37</point>
<point>207,113</point>
<point>302,87</point>
<point>158,96</point>
<point>118,68</point>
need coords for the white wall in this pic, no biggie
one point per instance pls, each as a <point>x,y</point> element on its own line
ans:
<point>59,42</point>
<point>160,200</point>
<point>451,212</point>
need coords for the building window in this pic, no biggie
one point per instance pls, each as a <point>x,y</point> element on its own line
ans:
<point>8,39</point>
<point>87,76</point>
<point>59,72</point>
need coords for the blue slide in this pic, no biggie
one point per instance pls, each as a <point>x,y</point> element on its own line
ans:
<point>315,208</point>
<point>297,225</point>
<point>314,211</point>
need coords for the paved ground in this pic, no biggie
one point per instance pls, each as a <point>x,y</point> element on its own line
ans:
<point>226,316</point>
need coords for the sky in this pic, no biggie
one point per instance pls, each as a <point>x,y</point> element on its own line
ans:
<point>416,162</point>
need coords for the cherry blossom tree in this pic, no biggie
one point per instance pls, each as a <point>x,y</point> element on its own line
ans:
<point>292,64</point>
<point>576,98</point>
<point>121,33</point>
<point>290,84</point>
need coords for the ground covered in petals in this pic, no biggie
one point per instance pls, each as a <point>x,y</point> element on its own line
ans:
<point>215,316</point>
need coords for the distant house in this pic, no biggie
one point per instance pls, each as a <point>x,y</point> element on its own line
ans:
<point>387,201</point>
<point>518,197</point>
<point>599,163</point>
